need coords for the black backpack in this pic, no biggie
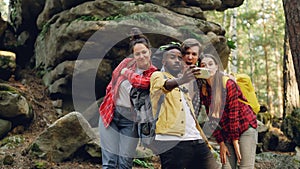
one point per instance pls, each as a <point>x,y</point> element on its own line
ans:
<point>140,100</point>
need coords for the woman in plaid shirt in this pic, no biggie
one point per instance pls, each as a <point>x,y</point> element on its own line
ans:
<point>118,131</point>
<point>236,124</point>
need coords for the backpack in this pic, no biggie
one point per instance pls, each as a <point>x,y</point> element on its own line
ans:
<point>248,91</point>
<point>146,123</point>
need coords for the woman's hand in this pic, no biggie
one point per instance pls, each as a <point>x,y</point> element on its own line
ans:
<point>223,152</point>
<point>123,71</point>
<point>236,146</point>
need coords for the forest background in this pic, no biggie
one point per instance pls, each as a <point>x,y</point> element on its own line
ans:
<point>255,32</point>
<point>257,35</point>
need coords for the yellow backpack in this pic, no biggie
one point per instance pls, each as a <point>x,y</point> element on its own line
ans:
<point>245,84</point>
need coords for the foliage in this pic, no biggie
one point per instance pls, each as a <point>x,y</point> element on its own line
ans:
<point>259,41</point>
<point>11,142</point>
<point>113,17</point>
<point>231,44</point>
<point>143,163</point>
<point>40,165</point>
<point>97,18</point>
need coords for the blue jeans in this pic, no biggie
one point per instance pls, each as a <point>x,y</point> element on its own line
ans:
<point>118,141</point>
<point>247,143</point>
<point>189,155</point>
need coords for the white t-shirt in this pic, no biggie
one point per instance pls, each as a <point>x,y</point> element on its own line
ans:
<point>124,89</point>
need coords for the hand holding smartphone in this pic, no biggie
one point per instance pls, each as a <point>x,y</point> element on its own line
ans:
<point>201,73</point>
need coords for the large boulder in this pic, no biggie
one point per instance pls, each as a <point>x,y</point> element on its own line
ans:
<point>15,110</point>
<point>14,105</point>
<point>63,138</point>
<point>53,7</point>
<point>68,31</point>
<point>275,140</point>
<point>97,32</point>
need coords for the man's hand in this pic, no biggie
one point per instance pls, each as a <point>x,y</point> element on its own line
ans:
<point>187,75</point>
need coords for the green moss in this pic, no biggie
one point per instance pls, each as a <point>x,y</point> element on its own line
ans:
<point>143,17</point>
<point>40,165</point>
<point>6,87</point>
<point>97,18</point>
<point>45,29</point>
<point>89,18</point>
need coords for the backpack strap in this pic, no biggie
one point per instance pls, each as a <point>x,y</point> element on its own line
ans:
<point>225,79</point>
<point>159,103</point>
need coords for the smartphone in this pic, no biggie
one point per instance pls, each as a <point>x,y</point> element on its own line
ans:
<point>204,73</point>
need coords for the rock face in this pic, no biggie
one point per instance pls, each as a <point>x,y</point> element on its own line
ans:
<point>53,36</point>
<point>23,15</point>
<point>97,32</point>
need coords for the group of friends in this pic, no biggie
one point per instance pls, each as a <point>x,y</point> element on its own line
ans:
<point>177,124</point>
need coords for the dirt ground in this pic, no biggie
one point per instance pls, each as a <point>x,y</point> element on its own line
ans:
<point>45,114</point>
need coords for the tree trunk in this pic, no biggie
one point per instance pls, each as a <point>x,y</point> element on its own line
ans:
<point>290,88</point>
<point>265,49</point>
<point>279,89</point>
<point>292,15</point>
<point>234,66</point>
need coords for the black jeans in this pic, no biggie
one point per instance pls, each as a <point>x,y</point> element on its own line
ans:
<point>190,155</point>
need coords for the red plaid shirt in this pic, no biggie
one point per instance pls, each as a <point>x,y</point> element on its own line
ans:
<point>107,107</point>
<point>236,117</point>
